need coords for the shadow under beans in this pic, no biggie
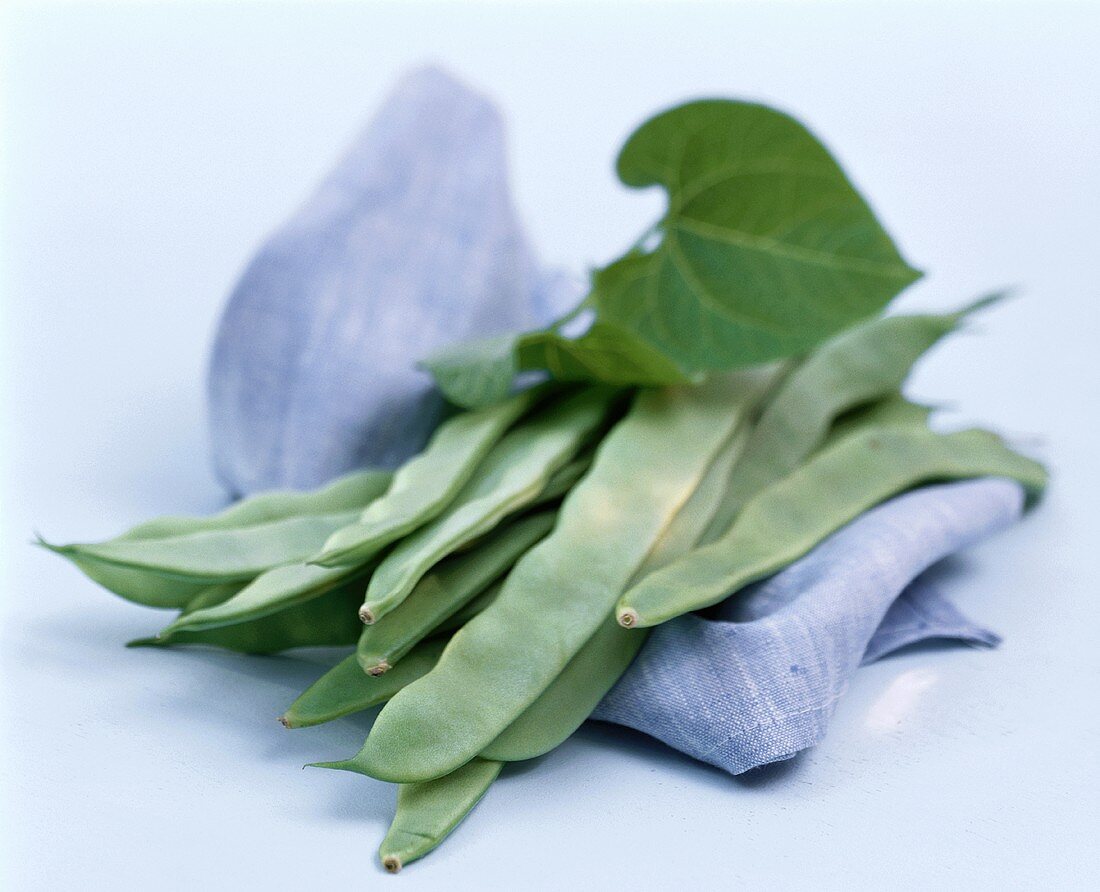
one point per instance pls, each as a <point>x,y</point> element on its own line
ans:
<point>637,745</point>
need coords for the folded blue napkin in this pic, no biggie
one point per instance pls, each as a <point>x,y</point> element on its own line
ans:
<point>412,243</point>
<point>758,681</point>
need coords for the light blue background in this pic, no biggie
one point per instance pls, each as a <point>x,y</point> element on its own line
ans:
<point>147,151</point>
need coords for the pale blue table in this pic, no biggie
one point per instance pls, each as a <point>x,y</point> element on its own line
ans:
<point>147,152</point>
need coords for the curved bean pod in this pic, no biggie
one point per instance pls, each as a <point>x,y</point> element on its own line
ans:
<point>345,689</point>
<point>511,477</point>
<point>428,812</point>
<point>869,361</point>
<point>154,589</point>
<point>564,479</point>
<point>560,593</point>
<point>893,409</point>
<point>445,590</point>
<point>570,699</point>
<point>425,485</point>
<point>786,520</point>
<point>270,592</point>
<point>351,492</point>
<point>213,595</point>
<point>325,621</point>
<point>144,587</point>
<point>217,555</point>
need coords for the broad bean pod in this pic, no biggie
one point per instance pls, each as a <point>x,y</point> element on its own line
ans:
<point>559,594</point>
<point>428,812</point>
<point>425,485</point>
<point>865,363</point>
<point>149,586</point>
<point>345,689</point>
<point>574,694</point>
<point>787,519</point>
<point>325,621</point>
<point>512,476</point>
<point>446,589</point>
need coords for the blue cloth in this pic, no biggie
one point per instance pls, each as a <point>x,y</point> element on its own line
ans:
<point>758,682</point>
<point>411,243</point>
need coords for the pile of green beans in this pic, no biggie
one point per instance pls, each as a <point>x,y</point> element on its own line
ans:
<point>497,585</point>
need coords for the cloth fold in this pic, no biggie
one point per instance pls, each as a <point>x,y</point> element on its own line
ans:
<point>758,682</point>
<point>411,243</point>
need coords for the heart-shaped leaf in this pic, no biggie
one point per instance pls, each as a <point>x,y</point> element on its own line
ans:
<point>766,250</point>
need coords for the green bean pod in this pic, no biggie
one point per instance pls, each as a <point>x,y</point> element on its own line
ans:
<point>893,409</point>
<point>865,363</point>
<point>512,476</point>
<point>345,689</point>
<point>328,620</point>
<point>446,589</point>
<point>462,616</point>
<point>351,492</point>
<point>570,698</point>
<point>213,595</point>
<point>564,479</point>
<point>574,694</point>
<point>428,812</point>
<point>270,592</point>
<point>425,485</point>
<point>152,588</point>
<point>217,555</point>
<point>145,587</point>
<point>786,520</point>
<point>561,592</point>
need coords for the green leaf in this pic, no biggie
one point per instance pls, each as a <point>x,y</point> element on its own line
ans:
<point>766,250</point>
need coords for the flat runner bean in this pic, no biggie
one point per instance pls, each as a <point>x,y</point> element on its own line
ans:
<point>893,409</point>
<point>574,694</point>
<point>867,362</point>
<point>446,589</point>
<point>458,619</point>
<point>428,812</point>
<point>325,621</point>
<point>786,520</point>
<point>218,555</point>
<point>345,689</point>
<point>564,480</point>
<point>270,592</point>
<point>560,593</point>
<point>427,483</point>
<point>145,585</point>
<point>512,476</point>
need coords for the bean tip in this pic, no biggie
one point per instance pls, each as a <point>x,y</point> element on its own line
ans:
<point>378,668</point>
<point>392,864</point>
<point>628,618</point>
<point>41,542</point>
<point>284,721</point>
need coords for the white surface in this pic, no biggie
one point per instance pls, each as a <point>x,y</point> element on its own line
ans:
<point>148,151</point>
